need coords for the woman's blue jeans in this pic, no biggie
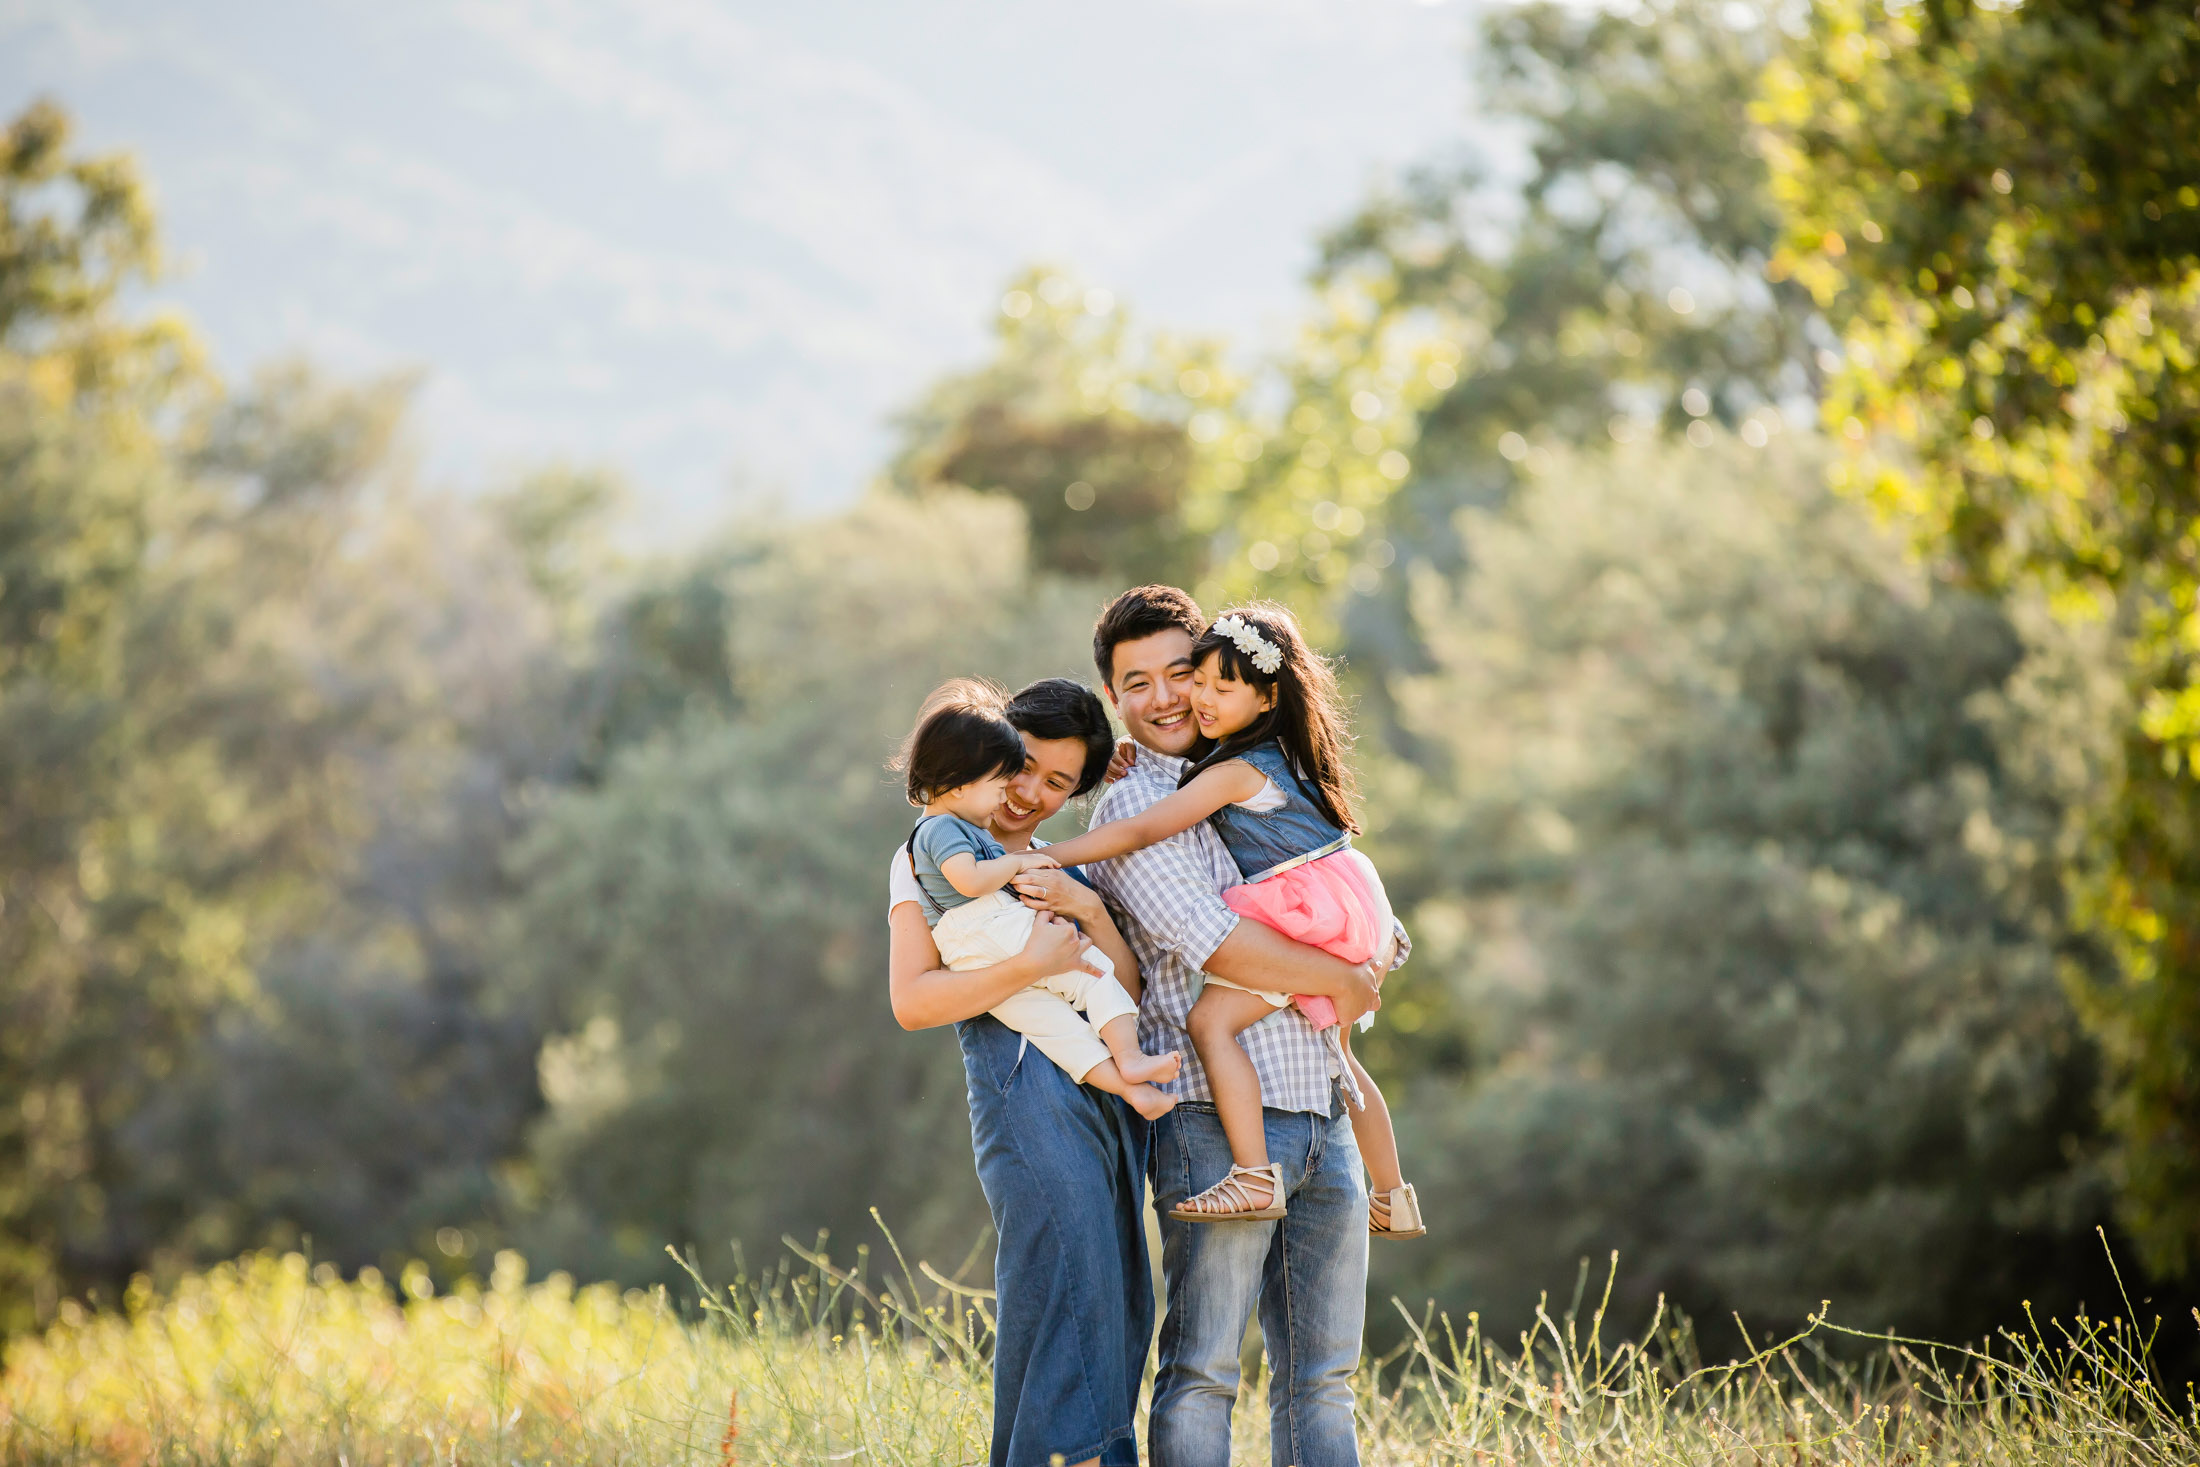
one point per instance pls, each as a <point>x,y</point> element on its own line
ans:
<point>1307,1272</point>
<point>1064,1171</point>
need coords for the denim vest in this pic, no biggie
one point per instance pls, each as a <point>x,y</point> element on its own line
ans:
<point>1265,845</point>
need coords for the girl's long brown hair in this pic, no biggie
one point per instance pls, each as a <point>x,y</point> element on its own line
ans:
<point>1307,719</point>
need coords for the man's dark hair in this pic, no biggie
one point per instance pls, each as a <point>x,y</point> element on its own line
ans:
<point>962,735</point>
<point>1140,612</point>
<point>1057,708</point>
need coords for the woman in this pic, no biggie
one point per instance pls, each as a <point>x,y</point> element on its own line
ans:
<point>1063,1165</point>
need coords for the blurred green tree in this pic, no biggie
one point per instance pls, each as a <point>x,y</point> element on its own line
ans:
<point>1746,895</point>
<point>1081,423</point>
<point>1613,291</point>
<point>119,922</point>
<point>1142,456</point>
<point>403,659</point>
<point>264,712</point>
<point>1621,286</point>
<point>2000,205</point>
<point>704,928</point>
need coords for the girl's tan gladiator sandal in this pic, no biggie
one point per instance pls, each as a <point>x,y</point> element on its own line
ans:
<point>1401,1213</point>
<point>1230,1200</point>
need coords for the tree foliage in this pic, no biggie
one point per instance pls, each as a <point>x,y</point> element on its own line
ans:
<point>1746,898</point>
<point>261,705</point>
<point>419,872</point>
<point>1999,206</point>
<point>1140,455</point>
<point>704,930</point>
<point>1626,270</point>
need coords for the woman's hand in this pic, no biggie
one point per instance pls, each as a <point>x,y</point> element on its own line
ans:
<point>1055,890</point>
<point>1055,946</point>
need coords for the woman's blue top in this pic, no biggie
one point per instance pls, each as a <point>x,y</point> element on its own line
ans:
<point>1265,844</point>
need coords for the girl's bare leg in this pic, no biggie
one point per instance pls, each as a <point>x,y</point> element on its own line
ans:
<point>1120,1034</point>
<point>1216,1020</point>
<point>1371,1129</point>
<point>1151,1103</point>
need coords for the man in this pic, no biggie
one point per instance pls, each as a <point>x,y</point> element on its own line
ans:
<point>1308,1271</point>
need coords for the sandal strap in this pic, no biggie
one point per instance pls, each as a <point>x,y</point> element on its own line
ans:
<point>1401,1212</point>
<point>1233,1192</point>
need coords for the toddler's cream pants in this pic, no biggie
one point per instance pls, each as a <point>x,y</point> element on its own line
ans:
<point>994,928</point>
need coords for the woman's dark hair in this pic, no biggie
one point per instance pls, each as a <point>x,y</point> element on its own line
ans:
<point>1307,719</point>
<point>1140,612</point>
<point>1057,708</point>
<point>962,735</point>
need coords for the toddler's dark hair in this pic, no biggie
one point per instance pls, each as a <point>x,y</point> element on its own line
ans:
<point>962,735</point>
<point>1057,708</point>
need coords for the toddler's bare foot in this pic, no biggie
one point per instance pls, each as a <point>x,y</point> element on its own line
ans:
<point>1144,1069</point>
<point>1151,1103</point>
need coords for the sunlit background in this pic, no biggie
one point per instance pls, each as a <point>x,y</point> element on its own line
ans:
<point>716,245</point>
<point>454,619</point>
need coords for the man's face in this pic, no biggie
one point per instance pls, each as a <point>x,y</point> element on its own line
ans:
<point>1152,690</point>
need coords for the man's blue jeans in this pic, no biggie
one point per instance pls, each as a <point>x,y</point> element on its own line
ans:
<point>1308,1272</point>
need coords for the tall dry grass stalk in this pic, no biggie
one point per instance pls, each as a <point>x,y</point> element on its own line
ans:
<point>270,1361</point>
<point>2081,1392</point>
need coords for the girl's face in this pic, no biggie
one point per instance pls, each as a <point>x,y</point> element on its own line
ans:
<point>1223,705</point>
<point>1052,768</point>
<point>976,801</point>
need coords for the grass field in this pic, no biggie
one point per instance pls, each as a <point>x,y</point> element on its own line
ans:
<point>272,1361</point>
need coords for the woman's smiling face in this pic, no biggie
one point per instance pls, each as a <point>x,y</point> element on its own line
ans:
<point>1052,768</point>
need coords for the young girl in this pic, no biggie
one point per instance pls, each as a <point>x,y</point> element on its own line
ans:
<point>1269,772</point>
<point>958,761</point>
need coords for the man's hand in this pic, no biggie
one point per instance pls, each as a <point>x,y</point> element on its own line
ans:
<point>1385,961</point>
<point>1363,994</point>
<point>1055,946</point>
<point>1255,955</point>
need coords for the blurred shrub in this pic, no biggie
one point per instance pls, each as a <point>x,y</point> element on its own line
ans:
<point>1742,868</point>
<point>705,929</point>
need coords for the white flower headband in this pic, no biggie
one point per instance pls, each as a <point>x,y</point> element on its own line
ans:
<point>1262,651</point>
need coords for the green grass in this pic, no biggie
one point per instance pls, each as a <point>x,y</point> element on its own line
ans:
<point>272,1361</point>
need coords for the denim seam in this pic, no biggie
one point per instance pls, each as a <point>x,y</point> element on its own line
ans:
<point>1084,1347</point>
<point>1083,1454</point>
<point>1172,1326</point>
<point>1290,1374</point>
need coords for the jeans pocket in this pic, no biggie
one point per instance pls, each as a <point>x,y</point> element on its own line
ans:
<point>1188,1143</point>
<point>1005,1079</point>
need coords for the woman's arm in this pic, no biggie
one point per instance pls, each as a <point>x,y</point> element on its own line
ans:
<point>1225,784</point>
<point>926,995</point>
<point>1065,895</point>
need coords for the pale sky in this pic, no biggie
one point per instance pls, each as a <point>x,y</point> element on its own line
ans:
<point>718,242</point>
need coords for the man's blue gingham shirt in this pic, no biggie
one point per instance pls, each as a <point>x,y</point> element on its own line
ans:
<point>1168,900</point>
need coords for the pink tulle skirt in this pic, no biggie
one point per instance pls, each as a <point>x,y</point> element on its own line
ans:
<point>1335,903</point>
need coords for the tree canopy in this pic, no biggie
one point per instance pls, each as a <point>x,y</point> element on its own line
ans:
<point>2001,208</point>
<point>1800,912</point>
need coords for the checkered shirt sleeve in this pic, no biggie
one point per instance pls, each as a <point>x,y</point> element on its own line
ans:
<point>1167,899</point>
